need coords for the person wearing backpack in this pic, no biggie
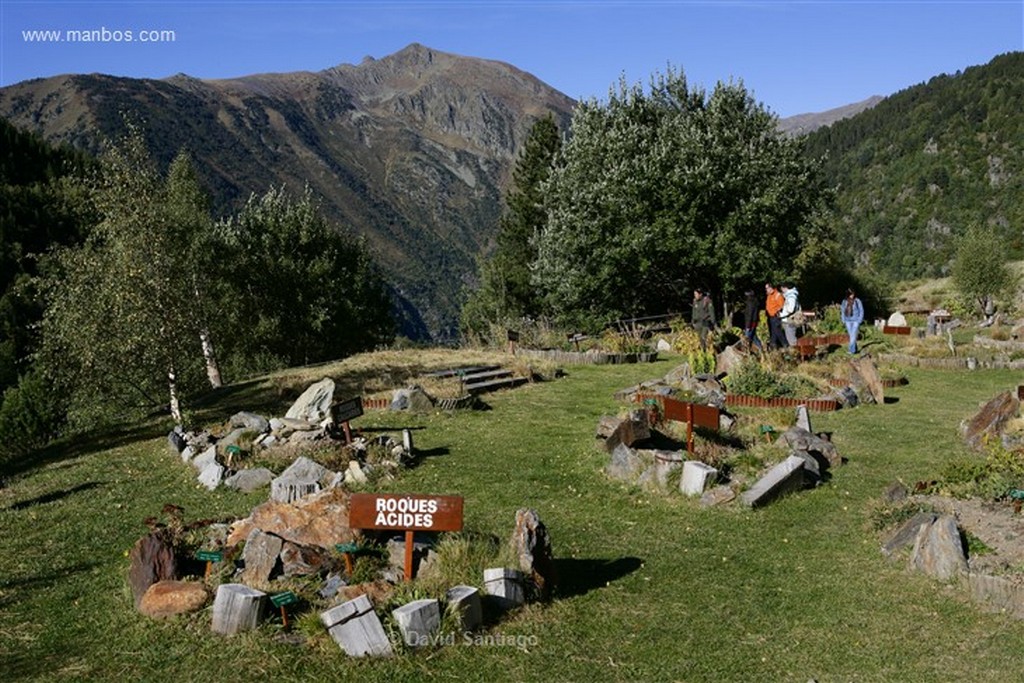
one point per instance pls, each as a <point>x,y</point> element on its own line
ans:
<point>791,314</point>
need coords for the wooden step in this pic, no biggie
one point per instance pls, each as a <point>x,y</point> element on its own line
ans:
<point>489,374</point>
<point>501,383</point>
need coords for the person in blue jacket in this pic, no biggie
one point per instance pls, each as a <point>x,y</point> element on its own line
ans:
<point>852,313</point>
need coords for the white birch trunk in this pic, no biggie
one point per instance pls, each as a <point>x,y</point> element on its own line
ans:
<point>172,385</point>
<point>212,369</point>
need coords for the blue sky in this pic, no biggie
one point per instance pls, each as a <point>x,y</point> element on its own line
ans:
<point>795,56</point>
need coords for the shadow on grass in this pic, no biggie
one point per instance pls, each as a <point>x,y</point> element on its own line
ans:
<point>14,588</point>
<point>78,445</point>
<point>579,576</point>
<point>54,495</point>
<point>890,399</point>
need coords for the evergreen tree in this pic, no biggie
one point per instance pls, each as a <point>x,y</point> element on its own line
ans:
<point>506,292</point>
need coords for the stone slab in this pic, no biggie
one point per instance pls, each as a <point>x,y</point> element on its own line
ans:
<point>356,628</point>
<point>418,621</point>
<point>696,477</point>
<point>784,478</point>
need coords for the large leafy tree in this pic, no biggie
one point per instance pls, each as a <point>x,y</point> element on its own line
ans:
<point>661,190</point>
<point>506,292</point>
<point>121,325</point>
<point>980,272</point>
<point>295,289</point>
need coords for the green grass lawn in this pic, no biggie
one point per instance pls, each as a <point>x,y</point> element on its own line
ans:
<point>654,588</point>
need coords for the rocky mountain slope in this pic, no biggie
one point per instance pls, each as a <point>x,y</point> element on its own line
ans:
<point>412,150</point>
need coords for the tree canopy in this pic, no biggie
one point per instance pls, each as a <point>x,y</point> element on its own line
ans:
<point>662,190</point>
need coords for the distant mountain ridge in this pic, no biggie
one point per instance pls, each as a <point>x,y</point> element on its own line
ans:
<point>412,150</point>
<point>801,124</point>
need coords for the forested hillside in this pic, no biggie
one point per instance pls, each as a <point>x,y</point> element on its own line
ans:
<point>924,165</point>
<point>37,214</point>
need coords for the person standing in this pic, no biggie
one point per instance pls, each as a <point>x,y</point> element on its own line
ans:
<point>703,316</point>
<point>751,313</point>
<point>772,307</point>
<point>789,313</point>
<point>852,313</point>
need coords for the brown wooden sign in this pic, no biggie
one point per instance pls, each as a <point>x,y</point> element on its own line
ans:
<point>680,411</point>
<point>347,410</point>
<point>407,512</point>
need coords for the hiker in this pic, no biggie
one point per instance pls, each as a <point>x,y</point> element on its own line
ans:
<point>751,314</point>
<point>703,316</point>
<point>772,307</point>
<point>791,314</point>
<point>852,313</point>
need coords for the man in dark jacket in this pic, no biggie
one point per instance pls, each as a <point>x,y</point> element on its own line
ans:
<point>703,316</point>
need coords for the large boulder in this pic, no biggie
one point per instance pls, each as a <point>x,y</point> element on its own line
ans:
<point>730,359</point>
<point>250,421</point>
<point>303,477</point>
<point>319,520</point>
<point>169,598</point>
<point>315,402</point>
<point>866,381</point>
<point>939,550</point>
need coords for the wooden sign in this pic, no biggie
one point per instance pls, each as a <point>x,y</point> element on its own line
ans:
<point>347,410</point>
<point>680,411</point>
<point>407,512</point>
<point>513,336</point>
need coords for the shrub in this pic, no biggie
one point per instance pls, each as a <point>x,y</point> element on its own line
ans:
<point>32,414</point>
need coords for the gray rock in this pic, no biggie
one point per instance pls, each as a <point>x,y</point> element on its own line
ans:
<point>907,533</point>
<point>895,493</point>
<point>990,421</point>
<point>304,560</point>
<point>997,594</point>
<point>938,550</point>
<point>422,554</point>
<point>663,345</point>
<point>418,621</point>
<point>332,584</point>
<point>302,478</point>
<point>212,476</point>
<point>276,423</point>
<point>847,397</point>
<point>315,402</point>
<point>355,475</point>
<point>626,464</point>
<point>187,454</point>
<point>630,431</point>
<point>696,477</point>
<point>531,544</point>
<point>719,495</point>
<point>261,556</point>
<point>231,438</point>
<point>413,399</point>
<point>506,586</point>
<point>356,628</point>
<point>249,480</point>
<point>784,478</point>
<point>237,608</point>
<point>465,602</point>
<point>176,440</point>
<point>802,440</point>
<point>250,421</point>
<point>205,459</point>
<point>803,418</point>
<point>407,442</point>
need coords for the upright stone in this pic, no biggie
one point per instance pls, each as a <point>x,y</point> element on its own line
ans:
<point>803,418</point>
<point>407,442</point>
<point>356,628</point>
<point>418,621</point>
<point>866,381</point>
<point>784,478</point>
<point>261,555</point>
<point>205,459</point>
<point>176,440</point>
<point>632,430</point>
<point>237,608</point>
<point>302,477</point>
<point>505,585</point>
<point>532,545</point>
<point>315,402</point>
<point>696,476</point>
<point>897,319</point>
<point>906,535</point>
<point>464,601</point>
<point>626,464</point>
<point>938,550</point>
<point>151,560</point>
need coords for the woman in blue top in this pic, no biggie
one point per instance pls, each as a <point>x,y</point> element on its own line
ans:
<point>852,313</point>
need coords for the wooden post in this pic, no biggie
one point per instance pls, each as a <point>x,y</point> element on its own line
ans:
<point>408,555</point>
<point>689,428</point>
<point>348,432</point>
